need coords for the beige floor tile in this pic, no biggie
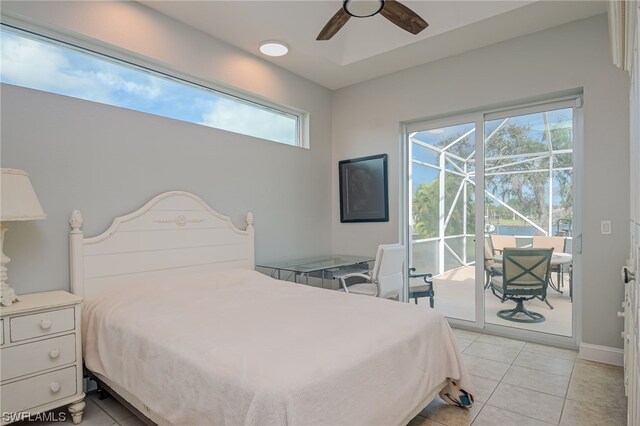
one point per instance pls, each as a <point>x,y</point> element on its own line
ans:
<point>486,368</point>
<point>577,413</point>
<point>598,370</point>
<point>538,405</point>
<point>597,384</point>
<point>131,421</point>
<point>501,341</point>
<point>550,364</point>
<point>550,350</point>
<point>492,352</point>
<point>537,380</point>
<point>450,415</point>
<point>93,416</point>
<point>493,416</point>
<point>463,343</point>
<point>423,421</point>
<point>113,408</point>
<point>466,334</point>
<point>483,387</point>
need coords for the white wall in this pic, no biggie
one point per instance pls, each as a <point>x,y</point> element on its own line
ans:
<point>367,117</point>
<point>107,161</point>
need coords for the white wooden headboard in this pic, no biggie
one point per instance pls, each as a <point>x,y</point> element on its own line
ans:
<point>175,232</point>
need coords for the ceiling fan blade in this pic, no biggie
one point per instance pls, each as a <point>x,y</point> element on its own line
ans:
<point>333,26</point>
<point>403,17</point>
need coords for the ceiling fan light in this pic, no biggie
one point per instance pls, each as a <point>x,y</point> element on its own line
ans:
<point>274,48</point>
<point>363,8</point>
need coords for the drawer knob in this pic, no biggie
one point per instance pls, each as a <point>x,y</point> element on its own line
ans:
<point>54,387</point>
<point>45,324</point>
<point>54,353</point>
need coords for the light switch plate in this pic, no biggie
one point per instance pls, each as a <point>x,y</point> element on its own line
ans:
<point>605,227</point>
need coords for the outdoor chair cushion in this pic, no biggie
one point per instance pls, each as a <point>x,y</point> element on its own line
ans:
<point>498,284</point>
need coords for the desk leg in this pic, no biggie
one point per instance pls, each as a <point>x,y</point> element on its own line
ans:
<point>278,274</point>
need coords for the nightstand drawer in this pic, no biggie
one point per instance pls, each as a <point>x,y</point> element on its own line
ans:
<point>36,325</point>
<point>41,355</point>
<point>35,391</point>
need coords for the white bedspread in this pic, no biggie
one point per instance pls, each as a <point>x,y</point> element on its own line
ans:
<point>240,348</point>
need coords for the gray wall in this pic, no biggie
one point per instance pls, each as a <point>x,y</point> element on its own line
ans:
<point>366,121</point>
<point>106,161</point>
<point>102,159</point>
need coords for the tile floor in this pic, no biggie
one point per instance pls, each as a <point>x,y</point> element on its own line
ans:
<point>520,383</point>
<point>516,383</point>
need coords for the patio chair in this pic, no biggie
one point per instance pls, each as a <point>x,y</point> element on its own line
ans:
<point>558,244</point>
<point>491,267</point>
<point>500,242</point>
<point>386,278</point>
<point>525,276</point>
<point>421,289</point>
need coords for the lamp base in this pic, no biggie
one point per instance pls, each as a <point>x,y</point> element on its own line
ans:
<point>8,296</point>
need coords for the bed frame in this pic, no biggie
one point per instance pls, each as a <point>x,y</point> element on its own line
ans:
<point>175,232</point>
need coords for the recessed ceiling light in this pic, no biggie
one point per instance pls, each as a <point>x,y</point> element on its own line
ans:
<point>274,48</point>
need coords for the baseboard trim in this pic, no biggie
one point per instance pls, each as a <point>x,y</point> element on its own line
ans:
<point>604,354</point>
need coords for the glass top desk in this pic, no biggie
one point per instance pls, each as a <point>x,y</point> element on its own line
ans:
<point>321,267</point>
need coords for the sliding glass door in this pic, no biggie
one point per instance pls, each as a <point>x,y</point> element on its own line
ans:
<point>465,209</point>
<point>442,213</point>
<point>528,186</point>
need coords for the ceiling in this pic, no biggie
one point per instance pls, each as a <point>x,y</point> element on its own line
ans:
<point>370,47</point>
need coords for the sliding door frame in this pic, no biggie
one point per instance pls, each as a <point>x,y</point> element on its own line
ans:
<point>479,117</point>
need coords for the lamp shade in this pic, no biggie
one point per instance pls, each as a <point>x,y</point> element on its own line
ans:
<point>18,200</point>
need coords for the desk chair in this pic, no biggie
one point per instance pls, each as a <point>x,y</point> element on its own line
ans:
<point>386,278</point>
<point>526,274</point>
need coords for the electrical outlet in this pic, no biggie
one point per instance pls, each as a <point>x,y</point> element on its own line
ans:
<point>605,227</point>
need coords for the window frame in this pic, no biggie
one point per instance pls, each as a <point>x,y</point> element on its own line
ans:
<point>137,62</point>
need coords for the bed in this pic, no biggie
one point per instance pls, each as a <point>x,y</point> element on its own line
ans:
<point>178,324</point>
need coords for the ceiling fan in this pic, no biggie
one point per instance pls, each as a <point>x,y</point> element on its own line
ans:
<point>394,11</point>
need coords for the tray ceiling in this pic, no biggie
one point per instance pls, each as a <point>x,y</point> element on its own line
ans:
<point>369,47</point>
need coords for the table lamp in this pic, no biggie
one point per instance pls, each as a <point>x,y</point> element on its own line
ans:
<point>18,201</point>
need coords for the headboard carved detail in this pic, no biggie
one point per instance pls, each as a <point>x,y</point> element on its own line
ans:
<point>180,220</point>
<point>175,232</point>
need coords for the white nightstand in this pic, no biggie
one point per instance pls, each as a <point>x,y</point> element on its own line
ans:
<point>41,356</point>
